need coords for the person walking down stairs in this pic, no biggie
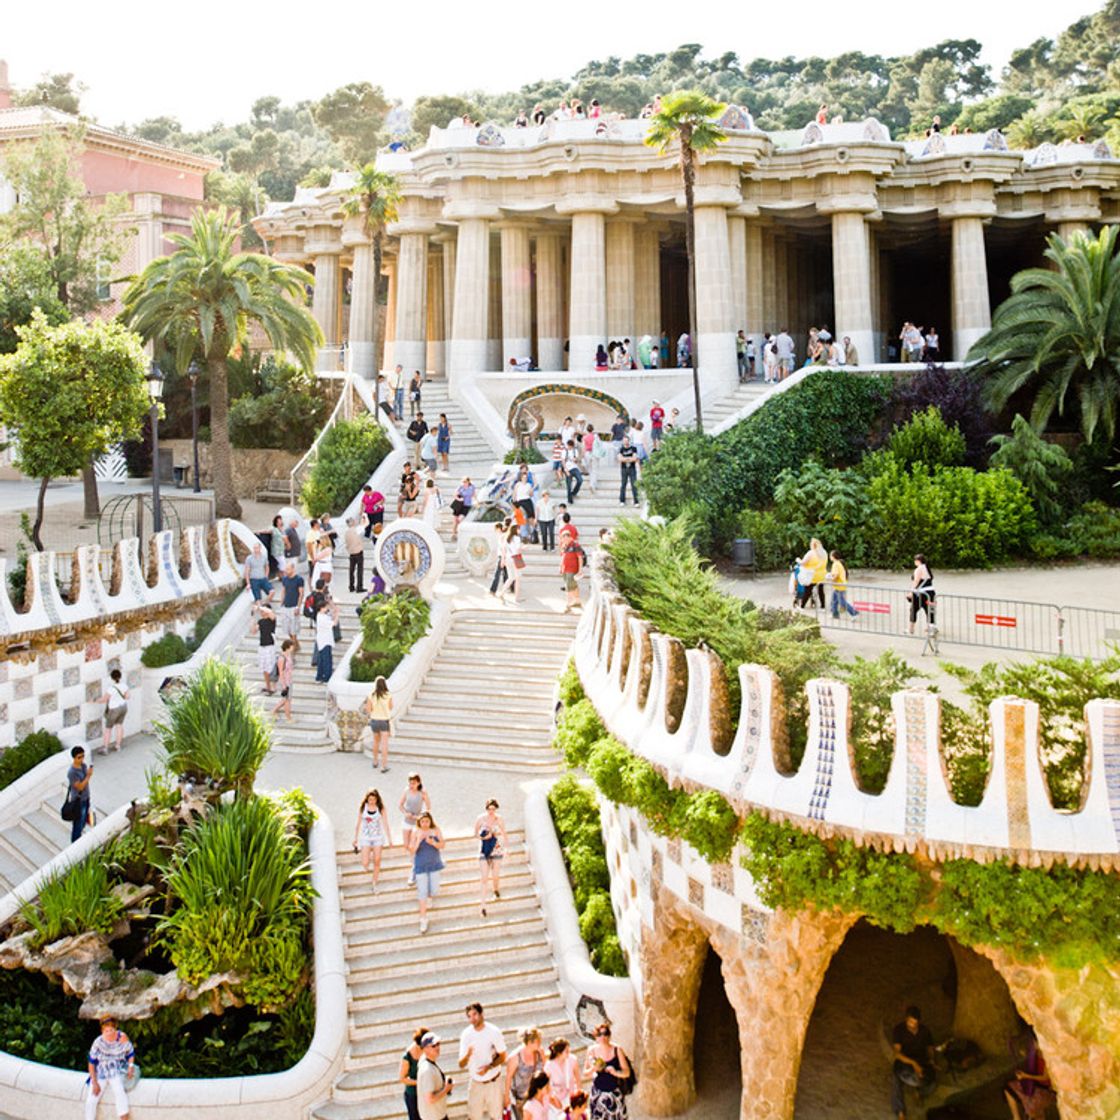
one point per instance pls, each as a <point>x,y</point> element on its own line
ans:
<point>427,863</point>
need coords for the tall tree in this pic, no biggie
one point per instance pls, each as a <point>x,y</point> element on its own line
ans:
<point>26,285</point>
<point>1058,334</point>
<point>353,115</point>
<point>687,119</point>
<point>58,91</point>
<point>375,195</point>
<point>70,392</point>
<point>202,299</point>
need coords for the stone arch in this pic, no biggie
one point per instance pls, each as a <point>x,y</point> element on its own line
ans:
<point>562,397</point>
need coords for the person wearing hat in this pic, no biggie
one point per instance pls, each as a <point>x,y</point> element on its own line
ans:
<point>112,1059</point>
<point>432,1086</point>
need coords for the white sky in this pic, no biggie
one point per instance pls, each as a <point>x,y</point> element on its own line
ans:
<point>206,60</point>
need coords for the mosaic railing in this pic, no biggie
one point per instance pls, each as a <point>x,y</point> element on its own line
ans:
<point>659,699</point>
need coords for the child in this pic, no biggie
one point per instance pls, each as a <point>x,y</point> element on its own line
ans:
<point>371,833</point>
<point>838,577</point>
<point>558,458</point>
<point>284,666</point>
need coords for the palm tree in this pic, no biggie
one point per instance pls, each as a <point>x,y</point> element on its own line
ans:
<point>202,299</point>
<point>375,195</point>
<point>1059,331</point>
<point>688,118</point>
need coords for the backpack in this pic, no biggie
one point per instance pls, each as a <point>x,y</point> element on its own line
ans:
<point>312,604</point>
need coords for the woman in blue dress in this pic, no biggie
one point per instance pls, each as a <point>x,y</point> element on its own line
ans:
<point>491,832</point>
<point>443,441</point>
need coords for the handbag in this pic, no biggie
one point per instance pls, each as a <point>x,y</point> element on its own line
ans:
<point>519,561</point>
<point>69,810</point>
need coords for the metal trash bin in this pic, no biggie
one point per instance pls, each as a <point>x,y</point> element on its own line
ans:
<point>742,553</point>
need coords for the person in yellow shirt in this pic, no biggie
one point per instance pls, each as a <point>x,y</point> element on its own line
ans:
<point>838,577</point>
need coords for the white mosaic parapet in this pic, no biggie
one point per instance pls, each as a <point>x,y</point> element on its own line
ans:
<point>915,810</point>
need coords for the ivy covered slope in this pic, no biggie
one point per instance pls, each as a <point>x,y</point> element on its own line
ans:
<point>192,926</point>
<point>347,455</point>
<point>1070,916</point>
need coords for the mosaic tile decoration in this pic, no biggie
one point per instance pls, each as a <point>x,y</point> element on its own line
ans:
<point>755,925</point>
<point>1015,761</point>
<point>826,757</point>
<point>199,563</point>
<point>22,689</point>
<point>657,867</point>
<point>71,717</point>
<point>48,589</point>
<point>130,564</point>
<point>46,663</point>
<point>134,640</point>
<point>71,676</point>
<point>753,739</point>
<point>3,714</point>
<point>696,893</point>
<point>133,679</point>
<point>48,702</point>
<point>91,578</point>
<point>93,691</point>
<point>915,710</point>
<point>93,650</point>
<point>24,727</point>
<point>3,672</point>
<point>93,729</point>
<point>673,847</point>
<point>723,878</point>
<point>1110,750</point>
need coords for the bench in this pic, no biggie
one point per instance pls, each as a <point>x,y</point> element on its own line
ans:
<point>274,490</point>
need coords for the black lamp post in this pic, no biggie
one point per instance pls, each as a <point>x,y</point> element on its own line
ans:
<point>192,373</point>
<point>155,391</point>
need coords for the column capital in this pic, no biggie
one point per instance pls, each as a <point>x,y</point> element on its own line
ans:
<point>464,209</point>
<point>586,204</point>
<point>354,231</point>
<point>855,203</point>
<point>714,195</point>
<point>323,241</point>
<point>406,226</point>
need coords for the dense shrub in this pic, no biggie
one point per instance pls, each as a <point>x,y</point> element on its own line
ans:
<point>956,396</point>
<point>347,455</point>
<point>287,414</point>
<point>871,684</point>
<point>575,813</point>
<point>391,626</point>
<point>529,454</point>
<point>26,755</point>
<point>1043,468</point>
<point>926,438</point>
<point>683,471</point>
<point>173,649</point>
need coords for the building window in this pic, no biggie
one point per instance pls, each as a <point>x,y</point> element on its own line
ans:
<point>104,268</point>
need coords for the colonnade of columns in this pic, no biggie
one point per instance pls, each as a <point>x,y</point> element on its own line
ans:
<point>470,298</point>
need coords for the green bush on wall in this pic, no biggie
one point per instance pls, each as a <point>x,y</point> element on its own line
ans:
<point>26,755</point>
<point>174,649</point>
<point>347,455</point>
<point>391,626</point>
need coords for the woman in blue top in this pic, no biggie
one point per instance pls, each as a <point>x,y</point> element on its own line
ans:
<point>491,832</point>
<point>443,440</point>
<point>427,863</point>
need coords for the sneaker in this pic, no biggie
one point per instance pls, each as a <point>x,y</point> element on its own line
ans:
<point>423,925</point>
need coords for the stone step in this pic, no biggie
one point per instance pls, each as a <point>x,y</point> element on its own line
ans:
<point>451,704</point>
<point>515,1003</point>
<point>500,731</point>
<point>48,827</point>
<point>13,868</point>
<point>441,933</point>
<point>459,665</point>
<point>388,966</point>
<point>400,908</point>
<point>357,895</point>
<point>28,847</point>
<point>421,752</point>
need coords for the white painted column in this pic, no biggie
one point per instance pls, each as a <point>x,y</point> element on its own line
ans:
<point>769,282</point>
<point>324,304</point>
<point>588,299</point>
<point>494,326</point>
<point>972,311</point>
<point>410,344</point>
<point>389,269</point>
<point>437,359</point>
<point>715,328</point>
<point>851,283</point>
<point>620,280</point>
<point>647,282</point>
<point>550,301</point>
<point>517,294</point>
<point>471,318</point>
<point>361,358</point>
<point>448,290</point>
<point>737,244</point>
<point>756,317</point>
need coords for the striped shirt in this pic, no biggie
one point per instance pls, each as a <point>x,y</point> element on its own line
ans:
<point>111,1058</point>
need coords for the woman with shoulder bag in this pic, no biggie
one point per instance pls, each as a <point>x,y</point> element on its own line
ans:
<point>515,563</point>
<point>611,1076</point>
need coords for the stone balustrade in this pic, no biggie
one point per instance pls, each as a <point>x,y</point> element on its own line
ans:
<point>663,702</point>
<point>61,647</point>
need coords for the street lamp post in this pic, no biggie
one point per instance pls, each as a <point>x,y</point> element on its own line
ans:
<point>155,391</point>
<point>192,372</point>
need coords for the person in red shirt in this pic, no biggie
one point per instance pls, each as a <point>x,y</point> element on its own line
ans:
<point>656,424</point>
<point>571,562</point>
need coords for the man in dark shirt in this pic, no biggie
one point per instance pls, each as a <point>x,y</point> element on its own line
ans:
<point>288,612</point>
<point>77,783</point>
<point>913,1059</point>
<point>417,430</point>
<point>292,543</point>
<point>628,463</point>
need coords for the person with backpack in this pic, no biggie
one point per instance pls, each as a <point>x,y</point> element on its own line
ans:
<point>115,700</point>
<point>77,793</point>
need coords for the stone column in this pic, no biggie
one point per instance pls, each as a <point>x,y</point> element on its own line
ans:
<point>363,308</point>
<point>550,301</point>
<point>851,283</point>
<point>781,284</point>
<point>769,282</point>
<point>448,287</point>
<point>389,270</point>
<point>517,294</point>
<point>715,321</point>
<point>410,344</point>
<point>972,311</point>
<point>325,249</point>
<point>620,280</point>
<point>494,326</point>
<point>437,362</point>
<point>470,321</point>
<point>737,243</point>
<point>647,281</point>
<point>756,318</point>
<point>1067,229</point>
<point>588,301</point>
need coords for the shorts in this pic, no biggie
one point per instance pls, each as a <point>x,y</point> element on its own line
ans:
<point>266,659</point>
<point>569,581</point>
<point>786,364</point>
<point>115,716</point>
<point>377,726</point>
<point>427,884</point>
<point>287,619</point>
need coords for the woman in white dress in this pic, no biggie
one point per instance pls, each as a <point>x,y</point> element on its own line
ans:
<point>371,833</point>
<point>432,503</point>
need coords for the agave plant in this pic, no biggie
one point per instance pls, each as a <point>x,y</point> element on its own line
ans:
<point>240,889</point>
<point>212,732</point>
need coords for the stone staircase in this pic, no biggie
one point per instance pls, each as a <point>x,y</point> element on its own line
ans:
<point>400,980</point>
<point>487,700</point>
<point>469,447</point>
<point>716,412</point>
<point>33,840</point>
<point>308,729</point>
